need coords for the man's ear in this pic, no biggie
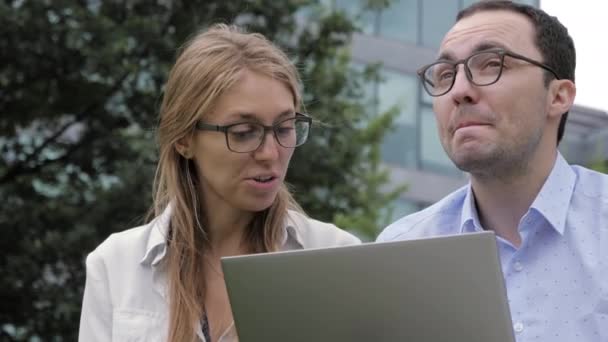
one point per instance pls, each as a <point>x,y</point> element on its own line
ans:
<point>562,93</point>
<point>184,146</point>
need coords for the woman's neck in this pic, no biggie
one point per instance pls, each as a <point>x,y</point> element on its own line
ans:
<point>227,233</point>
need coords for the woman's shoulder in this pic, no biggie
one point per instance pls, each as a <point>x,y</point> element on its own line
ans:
<point>129,245</point>
<point>317,234</point>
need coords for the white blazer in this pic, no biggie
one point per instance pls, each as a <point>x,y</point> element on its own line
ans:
<point>125,296</point>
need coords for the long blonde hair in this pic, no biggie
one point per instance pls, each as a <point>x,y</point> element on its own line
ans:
<point>207,66</point>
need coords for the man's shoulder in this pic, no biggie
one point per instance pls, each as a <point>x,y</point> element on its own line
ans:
<point>591,183</point>
<point>588,206</point>
<point>440,218</point>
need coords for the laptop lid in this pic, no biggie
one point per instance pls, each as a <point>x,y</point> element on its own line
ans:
<point>447,288</point>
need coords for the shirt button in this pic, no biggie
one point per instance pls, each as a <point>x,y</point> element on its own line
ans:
<point>518,327</point>
<point>518,266</point>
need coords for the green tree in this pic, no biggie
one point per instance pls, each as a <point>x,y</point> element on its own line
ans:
<point>600,166</point>
<point>80,86</point>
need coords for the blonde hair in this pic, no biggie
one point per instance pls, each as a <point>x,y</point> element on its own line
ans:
<point>207,66</point>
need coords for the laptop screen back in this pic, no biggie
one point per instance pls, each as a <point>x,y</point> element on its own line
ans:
<point>437,289</point>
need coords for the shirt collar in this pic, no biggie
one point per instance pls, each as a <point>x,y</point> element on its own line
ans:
<point>551,202</point>
<point>156,246</point>
<point>291,233</point>
<point>469,218</point>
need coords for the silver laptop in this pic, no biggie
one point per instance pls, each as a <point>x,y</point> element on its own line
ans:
<point>437,289</point>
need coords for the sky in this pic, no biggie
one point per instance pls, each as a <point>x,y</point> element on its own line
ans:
<point>587,23</point>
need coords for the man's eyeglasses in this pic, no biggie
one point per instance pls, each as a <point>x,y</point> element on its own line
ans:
<point>245,137</point>
<point>482,68</point>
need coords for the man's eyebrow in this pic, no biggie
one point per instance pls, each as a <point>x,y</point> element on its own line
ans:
<point>483,46</point>
<point>446,55</point>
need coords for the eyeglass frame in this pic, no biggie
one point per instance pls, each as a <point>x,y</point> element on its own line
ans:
<point>202,126</point>
<point>500,52</point>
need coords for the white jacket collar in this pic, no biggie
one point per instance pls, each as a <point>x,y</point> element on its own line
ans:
<point>156,247</point>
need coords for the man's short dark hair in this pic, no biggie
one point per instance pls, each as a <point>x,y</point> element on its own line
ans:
<point>552,39</point>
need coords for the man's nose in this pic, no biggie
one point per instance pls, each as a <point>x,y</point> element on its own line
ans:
<point>463,90</point>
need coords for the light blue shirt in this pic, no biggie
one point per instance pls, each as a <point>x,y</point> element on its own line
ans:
<point>557,280</point>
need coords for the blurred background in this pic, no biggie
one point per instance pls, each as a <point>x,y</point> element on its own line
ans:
<point>80,87</point>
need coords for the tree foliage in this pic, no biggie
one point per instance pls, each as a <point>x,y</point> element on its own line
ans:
<point>600,166</point>
<point>80,87</point>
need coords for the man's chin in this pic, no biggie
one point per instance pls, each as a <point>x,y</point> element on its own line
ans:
<point>473,162</point>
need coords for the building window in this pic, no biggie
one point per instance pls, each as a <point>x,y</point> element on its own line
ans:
<point>467,3</point>
<point>438,16</point>
<point>432,156</point>
<point>399,21</point>
<point>413,141</point>
<point>425,97</point>
<point>395,91</point>
<point>364,17</point>
<point>399,91</point>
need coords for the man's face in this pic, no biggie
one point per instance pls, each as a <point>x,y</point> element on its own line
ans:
<point>496,128</point>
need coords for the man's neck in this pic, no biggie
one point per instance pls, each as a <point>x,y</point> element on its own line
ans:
<point>502,201</point>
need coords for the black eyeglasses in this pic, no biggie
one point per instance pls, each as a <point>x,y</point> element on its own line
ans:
<point>245,137</point>
<point>482,68</point>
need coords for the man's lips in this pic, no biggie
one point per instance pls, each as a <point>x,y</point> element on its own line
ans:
<point>471,123</point>
<point>465,124</point>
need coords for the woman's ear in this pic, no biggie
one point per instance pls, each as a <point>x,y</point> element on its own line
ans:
<point>184,147</point>
<point>562,93</point>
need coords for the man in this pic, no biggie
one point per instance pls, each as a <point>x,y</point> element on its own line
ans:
<point>502,87</point>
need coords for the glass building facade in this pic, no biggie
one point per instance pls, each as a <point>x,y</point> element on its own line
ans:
<point>403,37</point>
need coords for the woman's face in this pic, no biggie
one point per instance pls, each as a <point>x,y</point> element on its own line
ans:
<point>244,182</point>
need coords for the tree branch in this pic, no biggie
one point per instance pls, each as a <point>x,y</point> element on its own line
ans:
<point>22,168</point>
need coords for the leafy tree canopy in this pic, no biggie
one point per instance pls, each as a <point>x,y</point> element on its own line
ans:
<point>80,86</point>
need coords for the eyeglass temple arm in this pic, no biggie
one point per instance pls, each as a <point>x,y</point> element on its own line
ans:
<point>208,127</point>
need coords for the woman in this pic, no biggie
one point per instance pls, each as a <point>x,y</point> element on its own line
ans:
<point>229,124</point>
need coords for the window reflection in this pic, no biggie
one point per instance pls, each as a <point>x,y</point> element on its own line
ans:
<point>467,3</point>
<point>432,155</point>
<point>400,21</point>
<point>437,18</point>
<point>365,18</point>
<point>395,91</point>
<point>399,91</point>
